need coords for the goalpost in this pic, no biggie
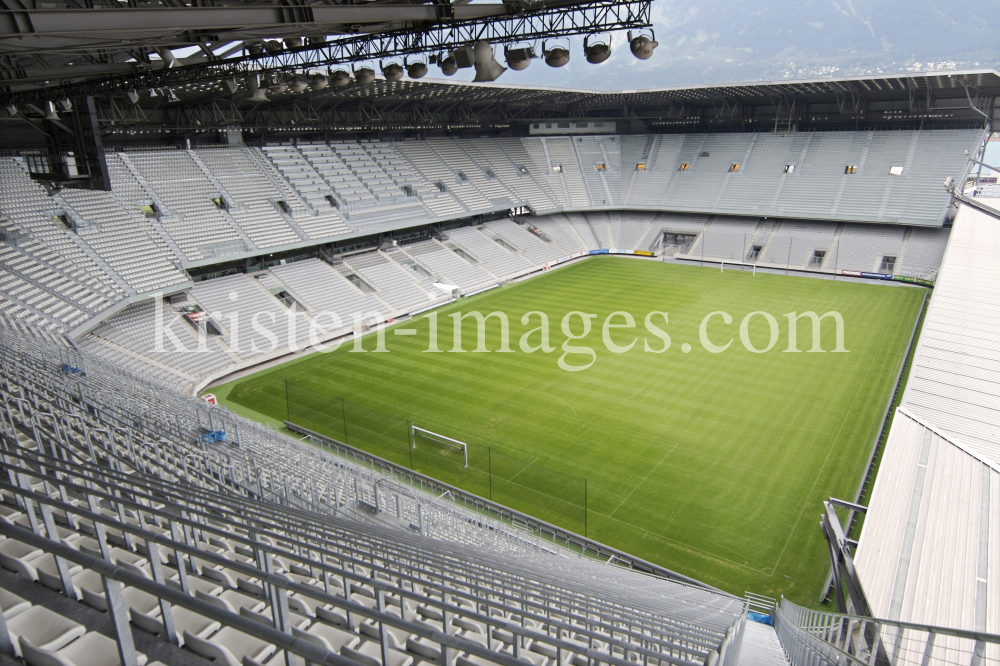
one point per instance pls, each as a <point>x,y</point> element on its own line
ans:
<point>417,432</point>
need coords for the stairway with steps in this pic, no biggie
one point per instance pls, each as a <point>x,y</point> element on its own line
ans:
<point>902,246</point>
<point>766,232</point>
<point>761,646</point>
<point>228,197</point>
<point>833,251</point>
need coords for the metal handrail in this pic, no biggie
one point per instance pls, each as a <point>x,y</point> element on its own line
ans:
<point>844,638</point>
<point>126,477</point>
<point>147,391</point>
<point>804,649</point>
<point>144,407</point>
<point>112,572</point>
<point>278,581</point>
<point>344,573</point>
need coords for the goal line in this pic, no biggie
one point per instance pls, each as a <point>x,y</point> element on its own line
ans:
<point>437,438</point>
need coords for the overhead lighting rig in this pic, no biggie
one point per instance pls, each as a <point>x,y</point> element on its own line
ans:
<point>549,19</point>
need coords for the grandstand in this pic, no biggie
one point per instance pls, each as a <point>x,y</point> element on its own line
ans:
<point>142,524</point>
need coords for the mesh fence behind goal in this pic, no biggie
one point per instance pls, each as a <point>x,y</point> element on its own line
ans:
<point>490,470</point>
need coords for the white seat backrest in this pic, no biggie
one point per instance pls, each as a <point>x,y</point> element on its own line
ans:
<point>219,653</point>
<point>312,638</point>
<point>35,656</point>
<point>215,601</point>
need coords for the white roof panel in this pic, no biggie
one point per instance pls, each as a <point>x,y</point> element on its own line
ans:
<point>930,545</point>
<point>955,381</point>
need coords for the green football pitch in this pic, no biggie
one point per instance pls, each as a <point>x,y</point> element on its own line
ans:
<point>714,465</point>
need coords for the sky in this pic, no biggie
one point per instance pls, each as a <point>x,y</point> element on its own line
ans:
<point>743,40</point>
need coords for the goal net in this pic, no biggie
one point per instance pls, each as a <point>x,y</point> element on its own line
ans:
<point>445,446</point>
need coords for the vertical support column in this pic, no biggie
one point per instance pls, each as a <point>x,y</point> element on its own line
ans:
<point>175,534</point>
<point>282,619</point>
<point>119,618</point>
<point>50,530</point>
<point>383,631</point>
<point>166,614</point>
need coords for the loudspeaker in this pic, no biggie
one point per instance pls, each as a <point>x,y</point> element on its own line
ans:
<point>487,67</point>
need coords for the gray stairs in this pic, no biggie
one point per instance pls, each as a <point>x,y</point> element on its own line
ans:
<point>832,260</point>
<point>902,246</point>
<point>154,221</point>
<point>229,198</point>
<point>96,258</point>
<point>761,646</point>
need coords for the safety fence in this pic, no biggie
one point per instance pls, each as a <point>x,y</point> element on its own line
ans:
<point>482,468</point>
<point>817,638</point>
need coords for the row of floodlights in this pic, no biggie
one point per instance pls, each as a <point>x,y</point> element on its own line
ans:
<point>480,56</point>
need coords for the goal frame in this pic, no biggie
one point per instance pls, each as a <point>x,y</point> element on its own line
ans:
<point>414,429</point>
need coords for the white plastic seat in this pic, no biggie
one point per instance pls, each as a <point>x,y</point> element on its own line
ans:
<point>118,555</point>
<point>85,579</point>
<point>329,637</point>
<point>9,513</point>
<point>423,649</point>
<point>475,637</point>
<point>430,613</point>
<point>468,625</point>
<point>228,646</point>
<point>250,586</point>
<point>91,649</point>
<point>543,649</point>
<point>237,600</point>
<point>276,659</point>
<point>264,617</point>
<point>87,525</point>
<point>143,549</point>
<point>185,622</point>
<point>534,657</point>
<point>45,566</point>
<point>300,579</point>
<point>304,605</point>
<point>196,584</point>
<point>502,635</point>
<point>369,653</point>
<point>366,601</point>
<point>227,578</point>
<point>370,629</point>
<point>11,604</point>
<point>333,616</point>
<point>132,598</point>
<point>43,628</point>
<point>14,555</point>
<point>474,660</point>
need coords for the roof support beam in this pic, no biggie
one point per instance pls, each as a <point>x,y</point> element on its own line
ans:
<point>160,22</point>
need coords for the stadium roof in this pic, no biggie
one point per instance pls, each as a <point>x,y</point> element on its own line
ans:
<point>938,85</point>
<point>925,99</point>
<point>955,380</point>
<point>928,552</point>
<point>930,99</point>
